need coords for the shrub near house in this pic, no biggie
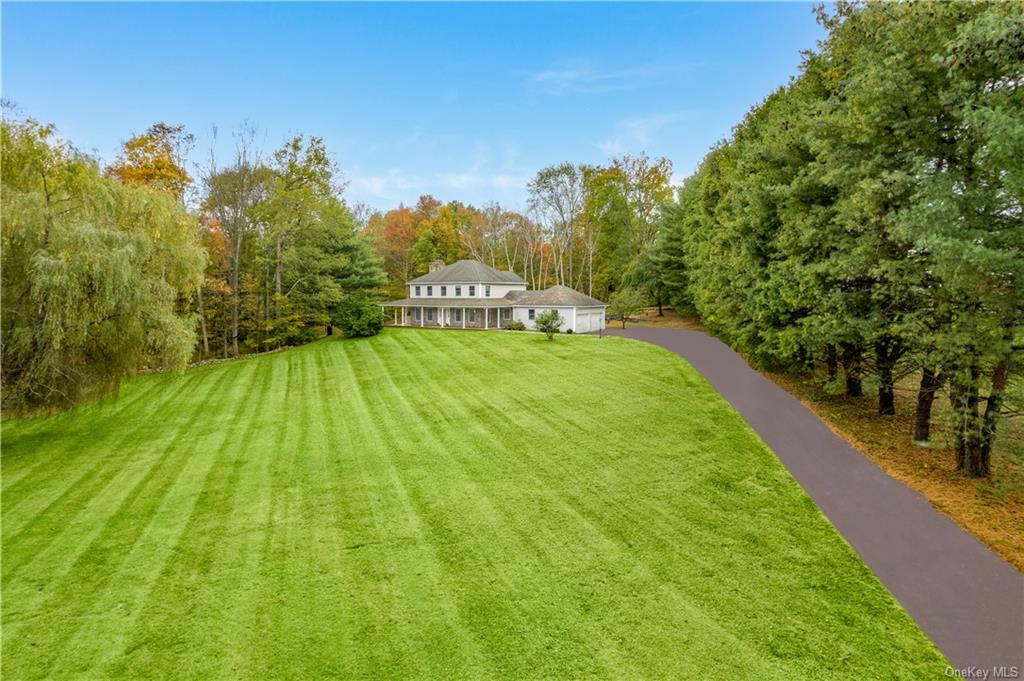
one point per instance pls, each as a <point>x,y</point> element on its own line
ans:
<point>548,323</point>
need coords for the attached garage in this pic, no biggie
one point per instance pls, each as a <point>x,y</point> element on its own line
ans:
<point>580,313</point>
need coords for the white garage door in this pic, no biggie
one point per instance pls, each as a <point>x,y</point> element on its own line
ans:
<point>588,321</point>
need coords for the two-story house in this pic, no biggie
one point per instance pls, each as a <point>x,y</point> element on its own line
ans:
<point>471,295</point>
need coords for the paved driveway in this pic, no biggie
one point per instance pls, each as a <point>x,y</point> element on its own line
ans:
<point>965,597</point>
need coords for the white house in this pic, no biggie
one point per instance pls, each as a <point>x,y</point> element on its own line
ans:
<point>470,295</point>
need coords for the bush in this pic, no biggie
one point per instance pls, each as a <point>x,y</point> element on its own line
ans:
<point>548,323</point>
<point>359,315</point>
<point>568,330</point>
<point>515,325</point>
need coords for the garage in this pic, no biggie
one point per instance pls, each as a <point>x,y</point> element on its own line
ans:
<point>580,313</point>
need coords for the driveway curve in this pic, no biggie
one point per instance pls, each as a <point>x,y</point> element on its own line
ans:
<point>965,597</point>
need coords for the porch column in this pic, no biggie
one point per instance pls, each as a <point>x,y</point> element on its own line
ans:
<point>423,317</point>
<point>463,317</point>
<point>396,316</point>
<point>403,315</point>
<point>497,316</point>
<point>486,320</point>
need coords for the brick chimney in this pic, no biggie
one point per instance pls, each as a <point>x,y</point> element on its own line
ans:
<point>435,265</point>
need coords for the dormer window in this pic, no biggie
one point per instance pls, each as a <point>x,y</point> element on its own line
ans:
<point>472,291</point>
<point>458,290</point>
<point>487,290</point>
<point>430,291</point>
<point>417,290</point>
<point>444,290</point>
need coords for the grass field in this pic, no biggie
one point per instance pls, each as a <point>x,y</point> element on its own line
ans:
<point>432,504</point>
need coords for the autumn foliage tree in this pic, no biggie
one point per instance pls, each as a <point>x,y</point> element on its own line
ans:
<point>156,159</point>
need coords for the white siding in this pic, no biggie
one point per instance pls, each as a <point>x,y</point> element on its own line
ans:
<point>523,315</point>
<point>497,290</point>
<point>572,317</point>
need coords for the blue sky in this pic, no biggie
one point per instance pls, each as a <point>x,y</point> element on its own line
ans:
<point>462,101</point>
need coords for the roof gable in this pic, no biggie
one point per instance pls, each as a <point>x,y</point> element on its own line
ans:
<point>468,272</point>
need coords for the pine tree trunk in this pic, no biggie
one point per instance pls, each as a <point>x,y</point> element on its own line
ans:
<point>831,362</point>
<point>852,369</point>
<point>923,412</point>
<point>963,396</point>
<point>887,352</point>
<point>981,462</point>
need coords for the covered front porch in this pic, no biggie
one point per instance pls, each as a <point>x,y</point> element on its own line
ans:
<point>457,316</point>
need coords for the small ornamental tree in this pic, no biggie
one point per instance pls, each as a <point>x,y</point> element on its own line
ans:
<point>625,302</point>
<point>548,323</point>
<point>359,315</point>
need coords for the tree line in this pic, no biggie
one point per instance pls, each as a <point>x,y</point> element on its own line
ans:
<point>107,271</point>
<point>139,265</point>
<point>590,227</point>
<point>868,216</point>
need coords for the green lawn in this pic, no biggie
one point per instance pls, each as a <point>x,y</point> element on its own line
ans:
<point>429,504</point>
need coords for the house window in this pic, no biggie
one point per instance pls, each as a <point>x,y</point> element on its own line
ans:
<point>416,312</point>
<point>430,311</point>
<point>458,290</point>
<point>430,290</point>
<point>471,316</point>
<point>506,313</point>
<point>472,290</point>
<point>444,290</point>
<point>487,290</point>
<point>531,314</point>
<point>417,290</point>
<point>458,314</point>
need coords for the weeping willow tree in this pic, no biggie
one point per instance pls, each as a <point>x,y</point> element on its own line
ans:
<point>97,275</point>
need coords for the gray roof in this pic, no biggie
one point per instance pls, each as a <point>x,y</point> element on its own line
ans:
<point>468,272</point>
<point>555,296</point>
<point>448,302</point>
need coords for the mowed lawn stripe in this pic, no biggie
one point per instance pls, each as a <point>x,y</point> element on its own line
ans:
<point>61,480</point>
<point>163,634</point>
<point>394,542</point>
<point>139,544</point>
<point>539,549</point>
<point>150,542</point>
<point>559,510</point>
<point>495,533</point>
<point>430,504</point>
<point>437,626</point>
<point>77,548</point>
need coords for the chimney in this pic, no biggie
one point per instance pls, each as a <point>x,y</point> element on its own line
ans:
<point>435,265</point>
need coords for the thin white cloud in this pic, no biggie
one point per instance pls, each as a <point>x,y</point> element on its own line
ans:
<point>383,185</point>
<point>445,165</point>
<point>586,78</point>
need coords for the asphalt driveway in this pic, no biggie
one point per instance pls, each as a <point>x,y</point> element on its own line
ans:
<point>964,596</point>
